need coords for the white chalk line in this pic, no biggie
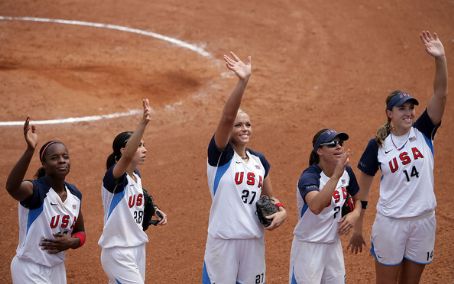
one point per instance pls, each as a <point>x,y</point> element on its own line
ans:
<point>174,41</point>
<point>74,119</point>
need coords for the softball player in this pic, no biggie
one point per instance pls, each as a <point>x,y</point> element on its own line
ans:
<point>123,240</point>
<point>237,177</point>
<point>316,254</point>
<point>50,216</point>
<point>403,233</point>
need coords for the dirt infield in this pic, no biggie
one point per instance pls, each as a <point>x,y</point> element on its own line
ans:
<point>315,64</point>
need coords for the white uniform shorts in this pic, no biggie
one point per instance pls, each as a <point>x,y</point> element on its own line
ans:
<point>234,261</point>
<point>124,265</point>
<point>24,271</point>
<point>316,263</point>
<point>394,240</point>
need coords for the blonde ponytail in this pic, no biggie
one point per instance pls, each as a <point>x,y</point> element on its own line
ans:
<point>383,132</point>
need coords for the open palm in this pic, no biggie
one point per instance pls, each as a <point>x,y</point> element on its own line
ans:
<point>30,134</point>
<point>432,44</point>
<point>241,69</point>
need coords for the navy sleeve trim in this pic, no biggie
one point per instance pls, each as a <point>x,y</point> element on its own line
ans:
<point>74,190</point>
<point>112,184</point>
<point>368,163</point>
<point>426,126</point>
<point>216,157</point>
<point>353,187</point>
<point>309,181</point>
<point>40,190</point>
<point>263,160</point>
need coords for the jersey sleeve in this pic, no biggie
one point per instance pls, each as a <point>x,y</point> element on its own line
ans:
<point>111,184</point>
<point>309,181</point>
<point>216,157</point>
<point>426,126</point>
<point>353,187</point>
<point>368,163</point>
<point>36,199</point>
<point>74,190</point>
<point>263,160</point>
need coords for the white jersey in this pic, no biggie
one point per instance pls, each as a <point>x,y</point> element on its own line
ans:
<point>235,186</point>
<point>322,228</point>
<point>406,164</point>
<point>123,211</point>
<point>41,216</point>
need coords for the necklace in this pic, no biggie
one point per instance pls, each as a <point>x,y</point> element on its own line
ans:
<point>403,145</point>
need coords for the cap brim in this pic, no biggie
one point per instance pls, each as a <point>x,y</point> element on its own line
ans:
<point>342,136</point>
<point>407,100</point>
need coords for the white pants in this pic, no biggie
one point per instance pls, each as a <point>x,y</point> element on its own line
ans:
<point>234,261</point>
<point>124,265</point>
<point>315,263</point>
<point>24,271</point>
<point>410,238</point>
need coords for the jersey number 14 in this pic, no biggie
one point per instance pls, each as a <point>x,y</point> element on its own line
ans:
<point>414,173</point>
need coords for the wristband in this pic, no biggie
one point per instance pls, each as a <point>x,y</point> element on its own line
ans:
<point>279,205</point>
<point>81,236</point>
<point>363,204</point>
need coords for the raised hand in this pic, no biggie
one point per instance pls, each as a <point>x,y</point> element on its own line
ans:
<point>30,134</point>
<point>241,69</point>
<point>341,163</point>
<point>146,111</point>
<point>432,44</point>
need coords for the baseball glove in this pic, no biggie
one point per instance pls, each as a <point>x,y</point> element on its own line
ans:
<point>150,210</point>
<point>348,206</point>
<point>265,207</point>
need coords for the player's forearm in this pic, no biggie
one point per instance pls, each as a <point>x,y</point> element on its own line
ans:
<point>134,141</point>
<point>441,77</point>
<point>323,198</point>
<point>234,101</point>
<point>17,174</point>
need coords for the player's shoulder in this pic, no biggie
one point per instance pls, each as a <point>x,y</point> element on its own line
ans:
<point>40,189</point>
<point>41,185</point>
<point>310,173</point>
<point>256,153</point>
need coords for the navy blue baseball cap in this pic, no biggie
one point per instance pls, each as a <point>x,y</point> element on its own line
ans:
<point>399,98</point>
<point>328,136</point>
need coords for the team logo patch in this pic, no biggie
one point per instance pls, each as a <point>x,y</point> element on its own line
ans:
<point>74,206</point>
<point>257,167</point>
<point>413,138</point>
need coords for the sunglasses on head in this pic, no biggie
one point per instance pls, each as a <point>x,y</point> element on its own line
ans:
<point>333,143</point>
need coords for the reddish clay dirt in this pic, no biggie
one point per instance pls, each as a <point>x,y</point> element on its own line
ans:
<point>315,64</point>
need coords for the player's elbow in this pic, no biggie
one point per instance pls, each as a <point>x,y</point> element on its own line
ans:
<point>316,209</point>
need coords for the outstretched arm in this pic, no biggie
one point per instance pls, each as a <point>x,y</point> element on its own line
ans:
<point>437,103</point>
<point>243,72</point>
<point>133,143</point>
<point>15,185</point>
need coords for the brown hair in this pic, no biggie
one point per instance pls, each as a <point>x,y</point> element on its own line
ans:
<point>314,158</point>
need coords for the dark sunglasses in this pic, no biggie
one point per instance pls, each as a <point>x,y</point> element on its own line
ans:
<point>333,143</point>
